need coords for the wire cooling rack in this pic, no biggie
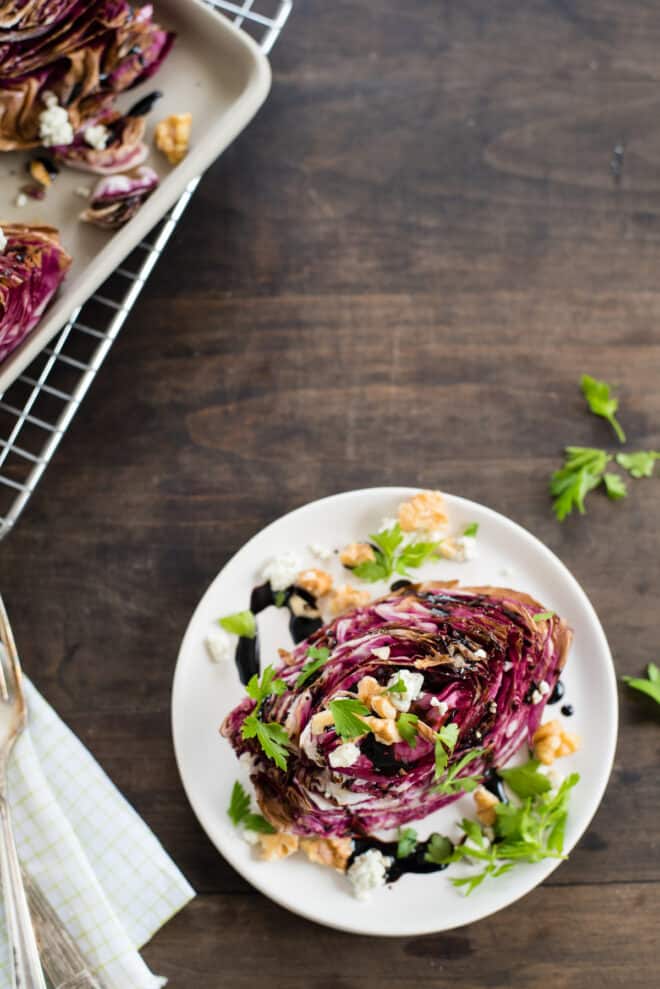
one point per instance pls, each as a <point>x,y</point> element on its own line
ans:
<point>38,408</point>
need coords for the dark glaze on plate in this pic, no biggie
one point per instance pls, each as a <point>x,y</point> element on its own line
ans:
<point>557,693</point>
<point>300,626</point>
<point>415,862</point>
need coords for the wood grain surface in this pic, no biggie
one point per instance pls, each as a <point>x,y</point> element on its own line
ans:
<point>396,275</point>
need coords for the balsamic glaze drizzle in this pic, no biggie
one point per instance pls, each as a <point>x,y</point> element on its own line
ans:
<point>557,693</point>
<point>567,710</point>
<point>415,862</point>
<point>300,626</point>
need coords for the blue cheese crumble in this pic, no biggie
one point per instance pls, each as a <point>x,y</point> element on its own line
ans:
<point>368,872</point>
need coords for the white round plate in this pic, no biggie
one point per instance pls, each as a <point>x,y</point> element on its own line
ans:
<point>204,692</point>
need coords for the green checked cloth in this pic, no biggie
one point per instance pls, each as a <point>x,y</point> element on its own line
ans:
<point>103,871</point>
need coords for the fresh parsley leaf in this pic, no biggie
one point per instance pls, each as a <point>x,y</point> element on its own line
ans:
<point>259,689</point>
<point>601,402</point>
<point>271,736</point>
<point>345,713</point>
<point>373,570</point>
<point>407,842</point>
<point>279,598</point>
<point>526,780</point>
<point>255,822</point>
<point>242,623</point>
<point>388,540</point>
<point>615,486</point>
<point>439,850</point>
<point>239,812</point>
<point>451,783</point>
<point>413,556</point>
<point>543,616</point>
<point>649,686</point>
<point>407,725</point>
<point>318,657</point>
<point>639,464</point>
<point>582,472</point>
<point>239,804</point>
<point>397,688</point>
<point>445,741</point>
<point>471,530</point>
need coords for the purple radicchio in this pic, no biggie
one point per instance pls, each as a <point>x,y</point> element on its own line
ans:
<point>117,198</point>
<point>481,655</point>
<point>32,265</point>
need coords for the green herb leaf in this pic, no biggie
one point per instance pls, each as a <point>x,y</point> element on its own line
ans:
<point>407,842</point>
<point>239,804</point>
<point>407,725</point>
<point>649,686</point>
<point>392,556</point>
<point>471,530</point>
<point>439,850</point>
<point>582,472</point>
<point>271,736</point>
<point>526,780</point>
<point>345,713</point>
<point>388,540</point>
<point>318,657</point>
<point>373,570</point>
<point>414,555</point>
<point>279,598</point>
<point>601,402</point>
<point>451,783</point>
<point>239,812</point>
<point>639,464</point>
<point>242,623</point>
<point>255,822</point>
<point>397,688</point>
<point>615,486</point>
<point>543,616</point>
<point>259,689</point>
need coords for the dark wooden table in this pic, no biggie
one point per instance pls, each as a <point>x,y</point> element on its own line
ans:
<point>397,276</point>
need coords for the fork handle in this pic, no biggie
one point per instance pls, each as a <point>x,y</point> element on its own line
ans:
<point>27,972</point>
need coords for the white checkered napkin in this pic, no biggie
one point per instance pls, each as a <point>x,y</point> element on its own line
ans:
<point>98,864</point>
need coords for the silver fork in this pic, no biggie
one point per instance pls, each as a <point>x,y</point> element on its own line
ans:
<point>27,972</point>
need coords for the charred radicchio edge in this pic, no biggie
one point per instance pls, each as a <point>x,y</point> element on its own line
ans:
<point>479,650</point>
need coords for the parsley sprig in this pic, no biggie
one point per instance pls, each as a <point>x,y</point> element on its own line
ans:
<point>391,555</point>
<point>449,783</point>
<point>529,831</point>
<point>347,714</point>
<point>241,623</point>
<point>649,685</point>
<point>600,401</point>
<point>241,815</point>
<point>270,735</point>
<point>639,464</point>
<point>318,656</point>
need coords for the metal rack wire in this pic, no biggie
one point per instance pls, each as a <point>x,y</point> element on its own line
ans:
<point>37,410</point>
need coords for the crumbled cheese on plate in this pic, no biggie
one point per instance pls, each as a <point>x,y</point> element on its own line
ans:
<point>368,872</point>
<point>282,570</point>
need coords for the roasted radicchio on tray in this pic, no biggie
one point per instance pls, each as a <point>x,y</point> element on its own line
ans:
<point>396,673</point>
<point>117,198</point>
<point>32,265</point>
<point>62,64</point>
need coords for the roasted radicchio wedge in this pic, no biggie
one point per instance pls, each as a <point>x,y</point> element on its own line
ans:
<point>117,198</point>
<point>477,658</point>
<point>32,265</point>
<point>86,54</point>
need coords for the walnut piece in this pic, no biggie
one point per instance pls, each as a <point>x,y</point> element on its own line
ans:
<point>383,707</point>
<point>346,598</point>
<point>367,688</point>
<point>334,852</point>
<point>552,742</point>
<point>278,846</point>
<point>320,721</point>
<point>425,511</point>
<point>384,729</point>
<point>485,802</point>
<point>356,553</point>
<point>173,136</point>
<point>317,582</point>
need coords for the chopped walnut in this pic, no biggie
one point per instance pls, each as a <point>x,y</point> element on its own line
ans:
<point>346,598</point>
<point>425,511</point>
<point>384,729</point>
<point>486,803</point>
<point>367,688</point>
<point>40,173</point>
<point>320,721</point>
<point>552,742</point>
<point>278,846</point>
<point>173,136</point>
<point>317,582</point>
<point>334,852</point>
<point>451,549</point>
<point>425,731</point>
<point>287,657</point>
<point>357,553</point>
<point>383,707</point>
